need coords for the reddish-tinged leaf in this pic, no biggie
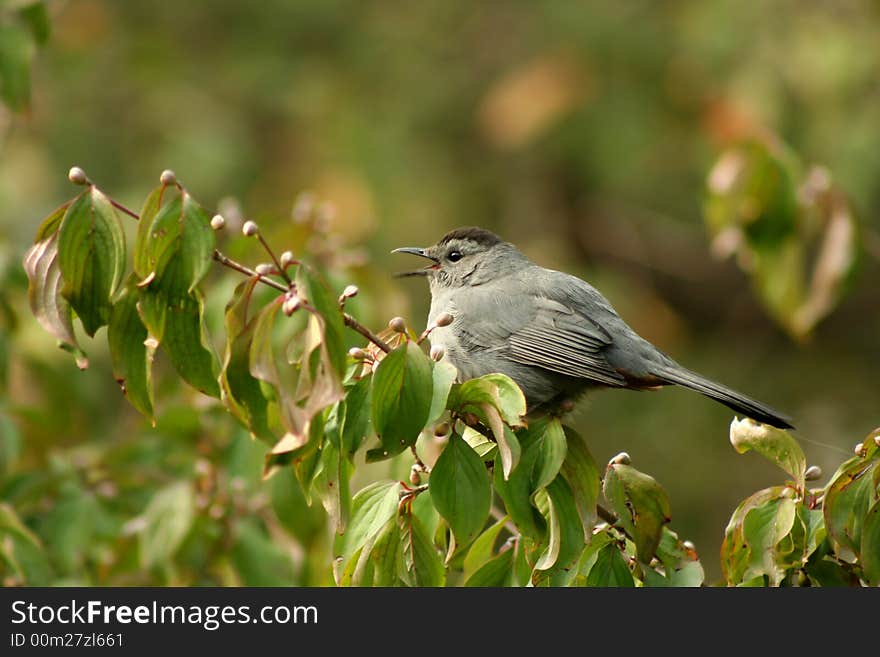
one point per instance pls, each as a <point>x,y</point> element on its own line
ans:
<point>47,304</point>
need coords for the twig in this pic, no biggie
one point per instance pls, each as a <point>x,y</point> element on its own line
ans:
<point>418,461</point>
<point>224,260</point>
<point>498,514</point>
<point>605,514</point>
<point>232,264</point>
<point>124,209</point>
<point>271,253</point>
<point>352,323</point>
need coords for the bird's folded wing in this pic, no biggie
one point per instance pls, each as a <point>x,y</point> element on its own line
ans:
<point>557,339</point>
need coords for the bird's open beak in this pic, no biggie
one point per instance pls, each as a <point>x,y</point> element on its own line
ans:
<point>414,250</point>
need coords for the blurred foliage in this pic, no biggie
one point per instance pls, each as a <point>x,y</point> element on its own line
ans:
<point>287,379</point>
<point>776,219</point>
<point>24,25</point>
<point>595,124</point>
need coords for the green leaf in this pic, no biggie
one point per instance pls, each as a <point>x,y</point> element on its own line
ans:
<point>497,390</point>
<point>372,507</point>
<point>460,489</point>
<point>509,449</point>
<point>829,573</point>
<point>47,304</point>
<point>735,552</point>
<point>566,535</point>
<point>331,483</point>
<point>764,528</point>
<point>36,17</point>
<point>849,495</point>
<point>10,524</point>
<point>176,232</point>
<point>422,563</point>
<point>482,549</point>
<point>610,569</point>
<point>173,252</point>
<point>516,492</point>
<point>131,352</point>
<point>551,447</point>
<point>495,572</point>
<point>401,397</point>
<point>177,322</point>
<point>292,510</point>
<point>870,545</point>
<point>166,522</point>
<point>16,53</point>
<point>91,256</point>
<point>161,198</point>
<point>384,553</point>
<point>443,376</point>
<point>292,357</point>
<point>257,559</point>
<point>774,444</point>
<point>641,505</point>
<point>486,448</point>
<point>356,416</point>
<point>242,394</point>
<point>680,564</point>
<point>316,292</point>
<point>68,528</point>
<point>582,474</point>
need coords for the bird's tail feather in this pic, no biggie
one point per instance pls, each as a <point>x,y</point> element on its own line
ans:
<point>730,398</point>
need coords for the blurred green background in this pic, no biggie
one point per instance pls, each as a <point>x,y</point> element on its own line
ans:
<point>582,132</point>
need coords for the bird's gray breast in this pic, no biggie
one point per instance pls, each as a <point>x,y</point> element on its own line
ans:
<point>478,341</point>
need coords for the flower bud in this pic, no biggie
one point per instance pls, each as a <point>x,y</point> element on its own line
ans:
<point>357,353</point>
<point>813,473</point>
<point>437,352</point>
<point>689,545</point>
<point>77,176</point>
<point>621,459</point>
<point>397,324</point>
<point>859,449</point>
<point>443,319</point>
<point>290,305</point>
<point>303,206</point>
<point>250,229</point>
<point>264,269</point>
<point>168,177</point>
<point>350,291</point>
<point>218,222</point>
<point>286,259</point>
<point>415,476</point>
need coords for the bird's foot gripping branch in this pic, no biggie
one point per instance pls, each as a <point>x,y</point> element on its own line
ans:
<point>491,499</point>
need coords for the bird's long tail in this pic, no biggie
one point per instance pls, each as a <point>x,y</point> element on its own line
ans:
<point>730,398</point>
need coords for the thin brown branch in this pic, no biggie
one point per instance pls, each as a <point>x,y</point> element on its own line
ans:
<point>605,514</point>
<point>275,260</point>
<point>498,514</point>
<point>124,209</point>
<point>224,260</point>
<point>232,264</point>
<point>352,323</point>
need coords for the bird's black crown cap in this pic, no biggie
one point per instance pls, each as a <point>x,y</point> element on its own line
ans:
<point>481,236</point>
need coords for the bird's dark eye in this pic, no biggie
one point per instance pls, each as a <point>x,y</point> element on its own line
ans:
<point>454,256</point>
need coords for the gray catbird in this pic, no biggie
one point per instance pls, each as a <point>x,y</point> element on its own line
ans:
<point>551,332</point>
